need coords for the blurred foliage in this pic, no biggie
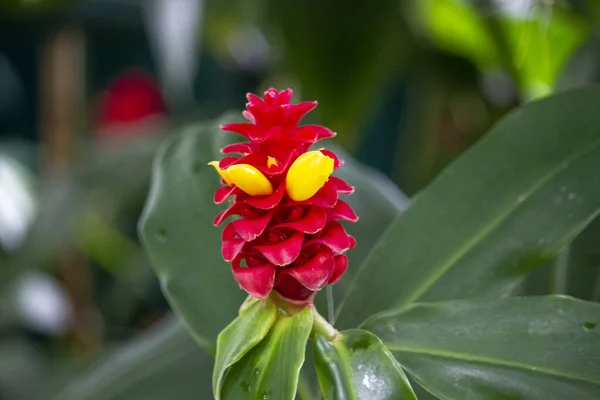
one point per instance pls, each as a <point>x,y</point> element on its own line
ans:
<point>532,43</point>
<point>342,60</point>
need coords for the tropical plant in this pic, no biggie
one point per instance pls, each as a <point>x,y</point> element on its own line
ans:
<point>438,302</point>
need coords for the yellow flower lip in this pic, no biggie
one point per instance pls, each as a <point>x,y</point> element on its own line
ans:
<point>250,180</point>
<point>308,174</point>
<point>246,177</point>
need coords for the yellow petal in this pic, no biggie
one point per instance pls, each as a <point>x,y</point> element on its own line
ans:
<point>221,172</point>
<point>250,180</point>
<point>307,175</point>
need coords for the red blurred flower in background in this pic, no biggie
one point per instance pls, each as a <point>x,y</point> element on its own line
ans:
<point>130,106</point>
<point>288,237</point>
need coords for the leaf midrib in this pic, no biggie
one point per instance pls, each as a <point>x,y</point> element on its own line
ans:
<point>471,244</point>
<point>487,360</point>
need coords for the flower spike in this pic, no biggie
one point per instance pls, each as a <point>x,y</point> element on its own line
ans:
<point>286,237</point>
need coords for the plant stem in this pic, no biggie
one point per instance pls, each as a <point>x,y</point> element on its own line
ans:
<point>322,327</point>
<point>558,278</point>
<point>330,306</point>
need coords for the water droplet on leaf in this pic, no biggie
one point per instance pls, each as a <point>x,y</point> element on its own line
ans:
<point>161,235</point>
<point>589,326</point>
<point>245,386</point>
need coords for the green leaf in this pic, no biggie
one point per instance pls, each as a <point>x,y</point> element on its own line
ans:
<point>245,332</point>
<point>358,366</point>
<point>583,67</point>
<point>512,201</point>
<point>270,370</point>
<point>534,43</point>
<point>516,348</point>
<point>177,232</point>
<point>164,363</point>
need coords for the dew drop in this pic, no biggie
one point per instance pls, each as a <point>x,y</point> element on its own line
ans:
<point>245,386</point>
<point>589,326</point>
<point>256,371</point>
<point>266,395</point>
<point>571,196</point>
<point>558,199</point>
<point>161,235</point>
<point>563,189</point>
<point>361,344</point>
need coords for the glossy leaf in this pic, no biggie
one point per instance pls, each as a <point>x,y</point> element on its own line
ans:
<point>245,332</point>
<point>484,223</point>
<point>271,369</point>
<point>178,234</point>
<point>164,363</point>
<point>519,348</point>
<point>358,366</point>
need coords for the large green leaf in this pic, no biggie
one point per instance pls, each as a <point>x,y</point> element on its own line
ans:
<point>510,202</point>
<point>271,369</point>
<point>245,332</point>
<point>358,366</point>
<point>515,348</point>
<point>165,363</point>
<point>177,232</point>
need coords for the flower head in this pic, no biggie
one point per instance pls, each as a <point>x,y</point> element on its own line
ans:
<point>287,236</point>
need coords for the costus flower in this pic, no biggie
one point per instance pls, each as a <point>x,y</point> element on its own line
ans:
<point>287,234</point>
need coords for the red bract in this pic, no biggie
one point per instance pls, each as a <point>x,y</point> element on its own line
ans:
<point>287,236</point>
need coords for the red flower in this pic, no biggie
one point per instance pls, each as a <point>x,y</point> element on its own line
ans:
<point>287,237</point>
<point>132,98</point>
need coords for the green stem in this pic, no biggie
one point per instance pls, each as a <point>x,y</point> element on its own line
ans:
<point>330,305</point>
<point>559,277</point>
<point>322,327</point>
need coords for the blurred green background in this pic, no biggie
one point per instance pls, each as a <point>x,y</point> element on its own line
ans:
<point>88,89</point>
